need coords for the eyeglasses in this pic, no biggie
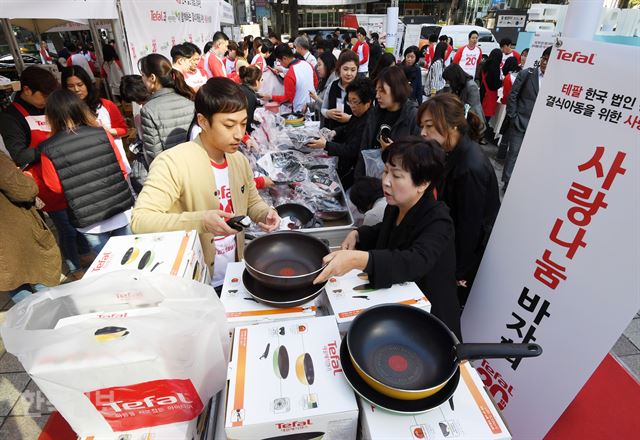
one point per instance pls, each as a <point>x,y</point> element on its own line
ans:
<point>352,103</point>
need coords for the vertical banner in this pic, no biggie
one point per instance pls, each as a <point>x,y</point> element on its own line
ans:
<point>561,267</point>
<point>155,26</point>
<point>540,41</point>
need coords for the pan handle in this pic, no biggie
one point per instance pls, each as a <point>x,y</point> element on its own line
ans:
<point>494,351</point>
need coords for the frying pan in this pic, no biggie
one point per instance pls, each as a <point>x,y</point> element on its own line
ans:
<point>281,362</point>
<point>388,403</point>
<point>130,255</point>
<point>296,212</point>
<point>145,260</point>
<point>304,369</point>
<point>280,298</point>
<point>285,260</point>
<point>406,353</point>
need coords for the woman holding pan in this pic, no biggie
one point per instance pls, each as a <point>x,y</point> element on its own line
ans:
<point>415,240</point>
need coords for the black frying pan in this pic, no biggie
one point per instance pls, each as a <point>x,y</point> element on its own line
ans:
<point>278,297</point>
<point>281,362</point>
<point>408,353</point>
<point>285,260</point>
<point>301,216</point>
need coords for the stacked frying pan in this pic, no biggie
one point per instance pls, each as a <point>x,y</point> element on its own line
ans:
<point>280,268</point>
<point>405,360</point>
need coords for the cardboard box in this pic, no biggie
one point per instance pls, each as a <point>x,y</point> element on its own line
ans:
<point>286,378</point>
<point>177,253</point>
<point>473,417</point>
<point>242,309</point>
<point>192,430</point>
<point>346,302</point>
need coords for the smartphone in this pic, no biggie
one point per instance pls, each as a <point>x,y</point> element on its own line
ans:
<point>239,223</point>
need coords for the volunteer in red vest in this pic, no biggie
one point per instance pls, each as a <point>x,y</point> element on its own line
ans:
<point>447,55</point>
<point>214,59</point>
<point>185,60</point>
<point>469,56</point>
<point>260,58</point>
<point>45,58</point>
<point>507,51</point>
<point>23,127</point>
<point>231,59</point>
<point>78,59</point>
<point>299,81</point>
<point>362,49</point>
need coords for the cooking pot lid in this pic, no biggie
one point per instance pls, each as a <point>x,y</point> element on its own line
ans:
<point>389,403</point>
<point>279,297</point>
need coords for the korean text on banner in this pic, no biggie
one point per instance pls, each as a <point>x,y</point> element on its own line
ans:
<point>561,267</point>
<point>155,26</point>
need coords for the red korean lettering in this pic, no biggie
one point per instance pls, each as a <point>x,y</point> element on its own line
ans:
<point>548,272</point>
<point>572,245</point>
<point>581,214</point>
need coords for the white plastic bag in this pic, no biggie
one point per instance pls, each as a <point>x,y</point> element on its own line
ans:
<point>373,162</point>
<point>124,350</point>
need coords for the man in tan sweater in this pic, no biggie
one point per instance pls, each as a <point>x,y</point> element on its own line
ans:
<point>201,184</point>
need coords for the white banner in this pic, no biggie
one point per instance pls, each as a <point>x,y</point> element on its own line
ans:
<point>155,26</point>
<point>62,9</point>
<point>561,267</point>
<point>541,40</point>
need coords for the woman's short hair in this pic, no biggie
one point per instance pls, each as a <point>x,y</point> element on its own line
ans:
<point>448,111</point>
<point>345,57</point>
<point>397,81</point>
<point>363,87</point>
<point>219,95</point>
<point>93,98</point>
<point>132,89</point>
<point>421,158</point>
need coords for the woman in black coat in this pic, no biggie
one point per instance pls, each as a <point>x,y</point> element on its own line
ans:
<point>413,72</point>
<point>415,240</point>
<point>469,186</point>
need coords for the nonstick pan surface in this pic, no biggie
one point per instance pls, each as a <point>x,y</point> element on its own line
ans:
<point>299,214</point>
<point>389,403</point>
<point>277,297</point>
<point>304,369</point>
<point>285,260</point>
<point>407,353</point>
<point>281,362</point>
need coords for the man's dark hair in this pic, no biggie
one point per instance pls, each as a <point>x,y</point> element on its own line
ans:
<point>375,36</point>
<point>219,95</point>
<point>132,89</point>
<point>361,31</point>
<point>39,80</point>
<point>421,158</point>
<point>444,38</point>
<point>109,53</point>
<point>282,51</point>
<point>181,51</point>
<point>72,48</point>
<point>433,38</point>
<point>219,36</point>
<point>266,46</point>
<point>547,52</point>
<point>365,191</point>
<point>364,88</point>
<point>397,81</point>
<point>506,42</point>
<point>471,33</point>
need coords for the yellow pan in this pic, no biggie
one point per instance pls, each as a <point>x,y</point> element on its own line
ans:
<point>304,369</point>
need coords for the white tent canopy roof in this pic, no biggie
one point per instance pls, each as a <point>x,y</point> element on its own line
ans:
<point>70,10</point>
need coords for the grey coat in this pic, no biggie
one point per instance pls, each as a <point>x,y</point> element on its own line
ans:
<point>522,98</point>
<point>471,95</point>
<point>165,121</point>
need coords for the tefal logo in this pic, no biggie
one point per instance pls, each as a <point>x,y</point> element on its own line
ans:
<point>104,259</point>
<point>576,57</point>
<point>332,357</point>
<point>147,404</point>
<point>296,425</point>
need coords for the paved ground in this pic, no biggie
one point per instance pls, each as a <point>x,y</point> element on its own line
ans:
<point>24,410</point>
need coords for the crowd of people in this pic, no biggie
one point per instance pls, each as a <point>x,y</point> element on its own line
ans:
<point>408,153</point>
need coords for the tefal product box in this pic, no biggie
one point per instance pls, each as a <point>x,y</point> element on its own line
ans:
<point>243,309</point>
<point>468,415</point>
<point>192,430</point>
<point>349,295</point>
<point>285,378</point>
<point>176,253</point>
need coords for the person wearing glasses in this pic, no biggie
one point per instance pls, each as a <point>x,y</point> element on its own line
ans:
<point>519,107</point>
<point>346,141</point>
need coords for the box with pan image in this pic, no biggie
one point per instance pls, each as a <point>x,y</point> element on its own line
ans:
<point>243,309</point>
<point>468,415</point>
<point>176,253</point>
<point>285,380</point>
<point>350,294</point>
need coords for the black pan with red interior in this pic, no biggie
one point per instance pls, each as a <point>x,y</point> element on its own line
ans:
<point>408,352</point>
<point>285,260</point>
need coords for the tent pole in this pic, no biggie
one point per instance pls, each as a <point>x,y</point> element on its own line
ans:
<point>97,45</point>
<point>121,42</point>
<point>36,28</point>
<point>13,45</point>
